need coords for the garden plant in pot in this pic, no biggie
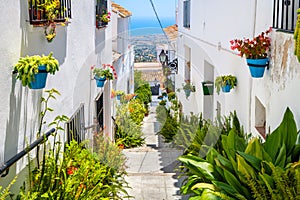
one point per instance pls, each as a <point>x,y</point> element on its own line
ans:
<point>103,74</point>
<point>255,51</point>
<point>33,70</point>
<point>226,83</point>
<point>119,94</point>
<point>188,88</point>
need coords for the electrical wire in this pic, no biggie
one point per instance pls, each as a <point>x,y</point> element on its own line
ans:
<point>153,7</point>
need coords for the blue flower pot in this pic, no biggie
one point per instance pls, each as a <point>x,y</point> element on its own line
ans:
<point>257,67</point>
<point>118,97</point>
<point>226,88</point>
<point>100,81</point>
<point>40,78</point>
<point>187,93</point>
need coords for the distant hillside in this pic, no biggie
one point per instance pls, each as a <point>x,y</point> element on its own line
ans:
<point>145,47</point>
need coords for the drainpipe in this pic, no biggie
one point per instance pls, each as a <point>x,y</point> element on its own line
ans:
<point>250,79</point>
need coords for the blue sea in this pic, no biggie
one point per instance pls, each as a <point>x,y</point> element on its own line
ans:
<point>147,25</point>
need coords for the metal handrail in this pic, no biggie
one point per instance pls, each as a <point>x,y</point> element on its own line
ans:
<point>5,167</point>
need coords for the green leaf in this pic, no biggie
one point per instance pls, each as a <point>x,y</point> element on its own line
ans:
<point>286,134</point>
<point>244,168</point>
<point>204,186</point>
<point>254,148</point>
<point>281,158</point>
<point>252,160</point>
<point>236,184</point>
<point>224,186</point>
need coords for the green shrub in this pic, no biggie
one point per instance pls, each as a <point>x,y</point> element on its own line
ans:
<point>144,93</point>
<point>127,132</point>
<point>78,175</point>
<point>138,79</point>
<point>109,153</point>
<point>136,111</point>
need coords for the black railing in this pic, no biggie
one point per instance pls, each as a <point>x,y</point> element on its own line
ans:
<point>5,167</point>
<point>285,14</point>
<point>75,126</point>
<point>38,14</point>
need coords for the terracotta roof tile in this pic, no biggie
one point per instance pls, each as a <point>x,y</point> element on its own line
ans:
<point>122,12</point>
<point>172,31</point>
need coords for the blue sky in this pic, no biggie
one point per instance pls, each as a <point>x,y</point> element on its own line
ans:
<point>143,8</point>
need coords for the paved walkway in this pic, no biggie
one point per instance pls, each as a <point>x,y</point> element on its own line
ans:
<point>151,167</point>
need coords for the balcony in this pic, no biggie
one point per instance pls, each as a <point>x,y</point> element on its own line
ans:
<point>43,11</point>
<point>285,15</point>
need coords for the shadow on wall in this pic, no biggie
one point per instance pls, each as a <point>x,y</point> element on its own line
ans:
<point>99,40</point>
<point>34,41</point>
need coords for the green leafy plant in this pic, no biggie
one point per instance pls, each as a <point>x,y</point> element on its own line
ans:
<point>138,79</point>
<point>222,81</point>
<point>143,93</point>
<point>106,71</point>
<point>109,153</point>
<point>137,111</point>
<point>120,92</point>
<point>6,192</point>
<point>242,169</point>
<point>127,132</point>
<point>28,66</point>
<point>188,86</point>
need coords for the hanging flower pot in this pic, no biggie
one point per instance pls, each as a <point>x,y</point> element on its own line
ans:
<point>226,88</point>
<point>40,78</point>
<point>257,66</point>
<point>119,97</point>
<point>225,82</point>
<point>33,70</point>
<point>187,93</point>
<point>100,81</point>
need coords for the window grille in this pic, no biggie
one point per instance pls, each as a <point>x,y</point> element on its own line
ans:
<point>186,13</point>
<point>38,14</point>
<point>75,126</point>
<point>285,14</point>
<point>101,8</point>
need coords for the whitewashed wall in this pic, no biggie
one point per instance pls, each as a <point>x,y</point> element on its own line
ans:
<point>213,25</point>
<point>77,47</point>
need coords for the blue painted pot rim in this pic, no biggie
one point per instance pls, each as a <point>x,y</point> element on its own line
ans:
<point>260,62</point>
<point>100,78</point>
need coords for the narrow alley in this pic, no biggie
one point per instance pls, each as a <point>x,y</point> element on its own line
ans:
<point>151,167</point>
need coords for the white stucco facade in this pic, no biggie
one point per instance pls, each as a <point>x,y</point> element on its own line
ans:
<point>206,45</point>
<point>77,46</point>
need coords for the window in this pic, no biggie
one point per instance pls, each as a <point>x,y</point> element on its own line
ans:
<point>285,14</point>
<point>39,14</point>
<point>75,126</point>
<point>186,13</point>
<point>101,10</point>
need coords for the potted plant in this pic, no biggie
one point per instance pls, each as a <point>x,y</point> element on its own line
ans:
<point>102,20</point>
<point>33,70</point>
<point>255,51</point>
<point>188,88</point>
<point>119,93</point>
<point>48,14</point>
<point>226,83</point>
<point>103,74</point>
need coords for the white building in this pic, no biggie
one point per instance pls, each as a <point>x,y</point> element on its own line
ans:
<point>205,29</point>
<point>81,44</point>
